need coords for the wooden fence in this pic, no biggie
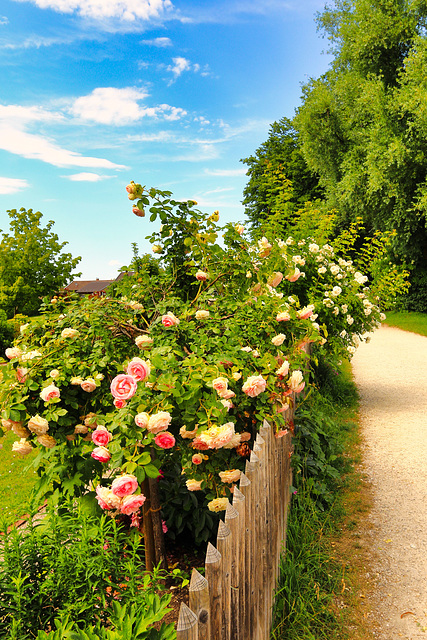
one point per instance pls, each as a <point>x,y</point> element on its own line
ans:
<point>234,600</point>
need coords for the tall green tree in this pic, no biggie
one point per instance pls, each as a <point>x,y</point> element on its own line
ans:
<point>279,178</point>
<point>363,124</point>
<point>32,263</point>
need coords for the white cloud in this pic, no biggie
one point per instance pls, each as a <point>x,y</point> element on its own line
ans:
<point>108,105</point>
<point>18,115</point>
<point>37,147</point>
<point>158,42</point>
<point>179,66</point>
<point>4,20</point>
<point>86,177</point>
<point>226,173</point>
<point>12,185</point>
<point>123,10</point>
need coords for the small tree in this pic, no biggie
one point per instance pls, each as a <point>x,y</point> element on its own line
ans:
<point>32,264</point>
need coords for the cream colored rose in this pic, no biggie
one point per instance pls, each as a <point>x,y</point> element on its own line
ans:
<point>194,485</point>
<point>295,380</point>
<point>236,376</point>
<point>159,422</point>
<point>143,342</point>
<point>13,352</point>
<point>23,447</point>
<point>188,434</point>
<point>279,339</point>
<point>76,381</point>
<point>232,475</point>
<point>54,374</point>
<point>283,370</point>
<point>220,385</point>
<point>88,385</point>
<point>6,424</point>
<point>46,441</point>
<point>218,504</point>
<point>81,429</point>
<point>38,425</point>
<point>19,430</point>
<point>254,385</point>
<point>69,333</point>
<point>202,314</point>
<point>141,420</point>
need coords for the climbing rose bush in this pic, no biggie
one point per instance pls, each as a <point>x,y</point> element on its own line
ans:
<point>224,324</point>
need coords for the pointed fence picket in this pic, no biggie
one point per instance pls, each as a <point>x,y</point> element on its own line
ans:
<point>234,600</point>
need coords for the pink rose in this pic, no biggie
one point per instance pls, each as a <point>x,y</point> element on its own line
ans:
<point>138,212</point>
<point>138,369</point>
<point>283,316</point>
<point>101,453</point>
<point>281,433</point>
<point>123,386</point>
<point>227,394</point>
<point>141,420</point>
<point>254,385</point>
<point>101,436</point>
<point>197,459</point>
<point>159,422</point>
<point>275,279</point>
<point>199,444</point>
<point>50,393</point>
<point>165,440</point>
<point>293,277</point>
<point>88,385</point>
<point>131,504</point>
<point>118,403</point>
<point>202,276</point>
<point>13,352</point>
<point>169,320</point>
<point>124,485</point>
<point>305,312</point>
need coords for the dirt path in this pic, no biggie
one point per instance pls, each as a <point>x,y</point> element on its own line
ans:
<point>391,375</point>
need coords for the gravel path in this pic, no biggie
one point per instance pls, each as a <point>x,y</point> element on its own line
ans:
<point>391,375</point>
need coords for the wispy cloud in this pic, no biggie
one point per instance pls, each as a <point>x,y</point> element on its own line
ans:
<point>36,147</point>
<point>226,173</point>
<point>158,42</point>
<point>12,185</point>
<point>4,20</point>
<point>179,66</point>
<point>124,10</point>
<point>232,11</point>
<point>86,177</point>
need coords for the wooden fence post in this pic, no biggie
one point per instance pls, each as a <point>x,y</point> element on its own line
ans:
<point>187,624</point>
<point>224,546</point>
<point>213,567</point>
<point>199,603</point>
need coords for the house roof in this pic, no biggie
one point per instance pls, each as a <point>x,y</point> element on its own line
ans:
<point>94,286</point>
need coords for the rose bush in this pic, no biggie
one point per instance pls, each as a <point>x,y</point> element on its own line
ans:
<point>209,316</point>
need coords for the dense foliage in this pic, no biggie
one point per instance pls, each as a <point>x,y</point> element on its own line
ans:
<point>362,125</point>
<point>32,263</point>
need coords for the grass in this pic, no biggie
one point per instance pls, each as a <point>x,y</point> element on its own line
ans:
<point>322,585</point>
<point>408,321</point>
<point>15,481</point>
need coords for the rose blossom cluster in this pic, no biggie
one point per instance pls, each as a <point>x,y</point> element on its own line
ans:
<point>121,497</point>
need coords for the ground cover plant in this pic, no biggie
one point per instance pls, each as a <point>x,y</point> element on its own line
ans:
<point>223,321</point>
<point>315,583</point>
<point>72,570</point>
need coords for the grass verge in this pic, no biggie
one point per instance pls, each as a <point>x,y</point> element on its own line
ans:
<point>15,481</point>
<point>408,321</point>
<point>323,590</point>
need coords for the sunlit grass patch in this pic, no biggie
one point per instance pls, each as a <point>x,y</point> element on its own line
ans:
<point>16,481</point>
<point>408,321</point>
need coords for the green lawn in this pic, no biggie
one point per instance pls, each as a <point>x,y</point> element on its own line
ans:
<point>408,321</point>
<point>15,481</point>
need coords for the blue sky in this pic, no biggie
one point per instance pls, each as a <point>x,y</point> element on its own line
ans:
<point>95,93</point>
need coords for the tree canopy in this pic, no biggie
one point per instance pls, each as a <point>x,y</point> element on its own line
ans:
<point>32,264</point>
<point>278,175</point>
<point>363,124</point>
